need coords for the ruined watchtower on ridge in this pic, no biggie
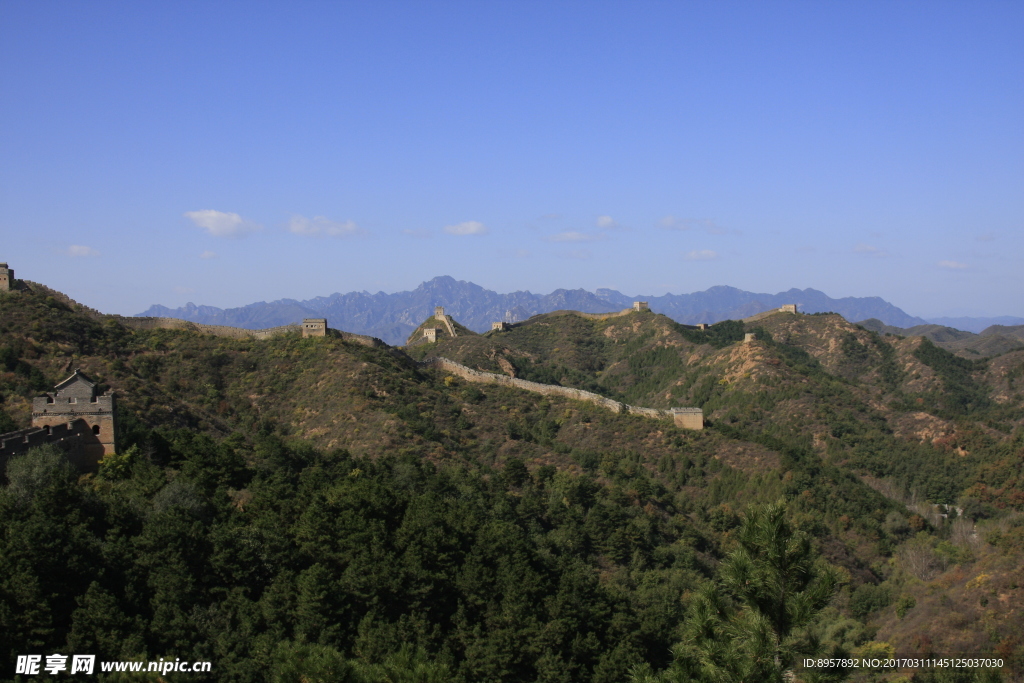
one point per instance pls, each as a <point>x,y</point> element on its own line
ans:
<point>688,418</point>
<point>639,306</point>
<point>75,399</point>
<point>6,278</point>
<point>314,327</point>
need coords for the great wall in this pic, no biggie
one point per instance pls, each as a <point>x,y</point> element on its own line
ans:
<point>85,429</point>
<point>687,418</point>
<point>310,327</point>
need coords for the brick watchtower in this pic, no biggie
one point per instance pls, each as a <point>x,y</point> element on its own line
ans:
<point>75,399</point>
<point>314,327</point>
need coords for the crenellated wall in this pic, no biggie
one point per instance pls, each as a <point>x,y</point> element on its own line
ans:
<point>75,438</point>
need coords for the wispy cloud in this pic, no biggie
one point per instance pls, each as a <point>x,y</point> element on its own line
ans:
<point>607,223</point>
<point>466,228</point>
<point>79,250</point>
<point>701,255</point>
<point>578,254</point>
<point>868,250</point>
<point>222,224</point>
<point>208,255</point>
<point>320,226</point>
<point>706,224</point>
<point>952,265</point>
<point>573,236</point>
<point>986,236</point>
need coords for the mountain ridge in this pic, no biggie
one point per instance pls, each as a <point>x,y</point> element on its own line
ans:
<point>392,317</point>
<point>870,438</point>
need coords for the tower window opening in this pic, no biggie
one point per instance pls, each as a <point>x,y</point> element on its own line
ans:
<point>96,429</point>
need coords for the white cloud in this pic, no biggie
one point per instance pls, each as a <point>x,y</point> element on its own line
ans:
<point>78,250</point>
<point>607,223</point>
<point>952,265</point>
<point>220,223</point>
<point>573,236</point>
<point>466,228</point>
<point>868,250</point>
<point>320,226</point>
<point>701,255</point>
<point>208,255</point>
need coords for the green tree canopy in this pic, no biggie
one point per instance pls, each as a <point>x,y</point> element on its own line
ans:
<point>752,623</point>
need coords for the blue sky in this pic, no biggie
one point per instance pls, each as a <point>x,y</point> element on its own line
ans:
<point>225,153</point>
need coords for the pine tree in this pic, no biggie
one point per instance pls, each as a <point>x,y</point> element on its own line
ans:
<point>751,625</point>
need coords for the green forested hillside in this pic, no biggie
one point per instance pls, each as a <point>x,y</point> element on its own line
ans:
<point>311,509</point>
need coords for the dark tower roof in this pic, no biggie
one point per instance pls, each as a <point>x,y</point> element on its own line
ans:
<point>76,377</point>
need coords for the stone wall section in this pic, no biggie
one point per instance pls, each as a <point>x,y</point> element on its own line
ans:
<point>364,339</point>
<point>638,307</point>
<point>63,298</point>
<point>447,320</point>
<point>785,308</point>
<point>602,316</point>
<point>74,438</point>
<point>149,323</point>
<point>471,375</point>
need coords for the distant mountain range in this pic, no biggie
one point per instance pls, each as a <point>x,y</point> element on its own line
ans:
<point>977,325</point>
<point>392,317</point>
<point>991,341</point>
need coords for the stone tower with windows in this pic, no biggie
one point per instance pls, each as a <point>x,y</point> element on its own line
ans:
<point>75,399</point>
<point>314,327</point>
